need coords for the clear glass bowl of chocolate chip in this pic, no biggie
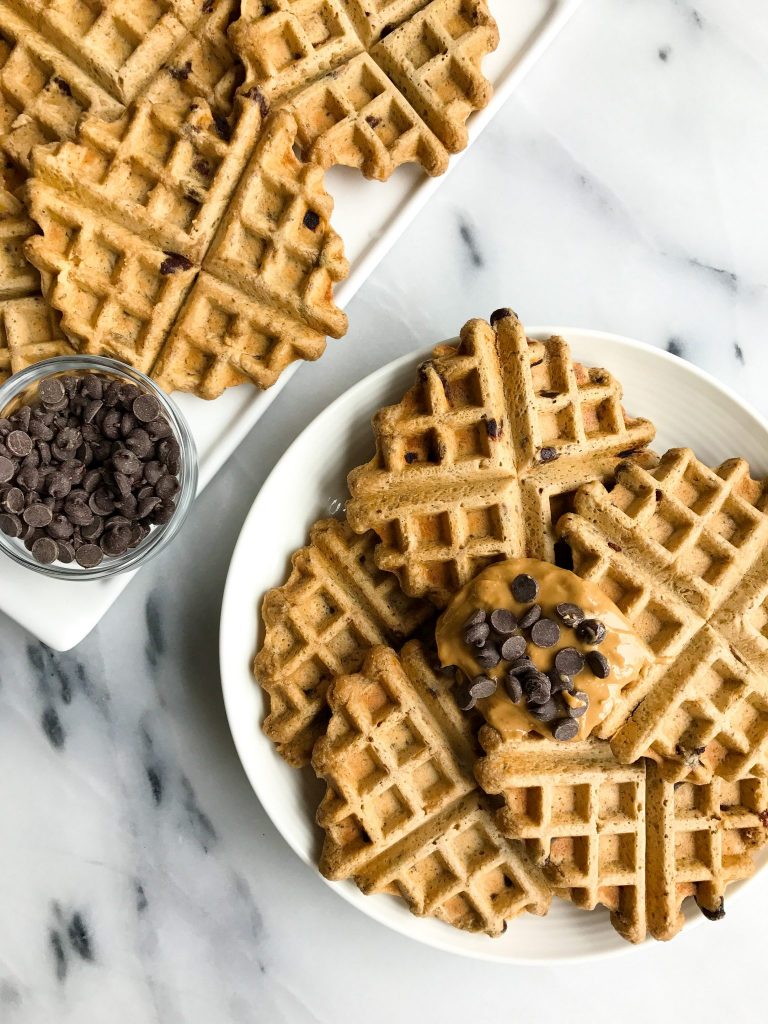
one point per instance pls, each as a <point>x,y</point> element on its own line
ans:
<point>98,468</point>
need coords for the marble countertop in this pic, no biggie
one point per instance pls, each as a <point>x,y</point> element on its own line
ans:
<point>622,188</point>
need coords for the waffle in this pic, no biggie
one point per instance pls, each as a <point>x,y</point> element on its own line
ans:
<point>64,58</point>
<point>177,242</point>
<point>620,835</point>
<point>371,84</point>
<point>334,606</point>
<point>682,550</point>
<point>482,455</point>
<point>402,812</point>
<point>29,330</point>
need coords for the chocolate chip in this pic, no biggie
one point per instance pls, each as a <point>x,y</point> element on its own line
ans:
<point>502,314</point>
<point>167,486</point>
<point>92,386</point>
<point>13,501</point>
<point>570,614</point>
<point>537,687</point>
<point>482,686</point>
<point>19,443</point>
<point>66,552</point>
<point>163,513</point>
<point>488,656</point>
<point>569,661</point>
<point>560,681</point>
<point>93,530</point>
<point>521,666</point>
<point>513,688</point>
<point>175,262</point>
<point>565,729</point>
<point>28,478</point>
<point>91,411</point>
<point>545,633</point>
<point>548,454</point>
<point>37,515</point>
<point>44,550</point>
<point>474,619</point>
<point>493,429</point>
<point>311,220</point>
<point>51,391</point>
<point>476,636</point>
<point>464,697</point>
<point>598,664</point>
<point>125,462</point>
<point>60,528</point>
<point>10,525</point>
<point>532,615</point>
<point>577,710</point>
<point>503,622</point>
<point>524,588</point>
<point>591,631</point>
<point>89,555</point>
<point>513,647</point>
<point>7,469</point>
<point>546,712</point>
<point>78,512</point>
<point>59,484</point>
<point>115,541</point>
<point>713,913</point>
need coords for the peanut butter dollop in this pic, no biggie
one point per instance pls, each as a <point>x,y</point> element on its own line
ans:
<point>627,654</point>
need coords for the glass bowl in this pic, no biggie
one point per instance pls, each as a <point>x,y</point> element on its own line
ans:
<point>160,535</point>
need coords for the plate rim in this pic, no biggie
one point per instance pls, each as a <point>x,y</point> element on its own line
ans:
<point>347,890</point>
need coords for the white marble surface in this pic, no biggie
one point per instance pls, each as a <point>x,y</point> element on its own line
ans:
<point>622,188</point>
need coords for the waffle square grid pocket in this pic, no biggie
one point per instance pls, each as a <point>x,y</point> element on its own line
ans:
<point>683,550</point>
<point>371,85</point>
<point>403,813</point>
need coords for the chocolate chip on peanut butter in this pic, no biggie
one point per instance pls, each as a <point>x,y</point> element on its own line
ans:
<point>571,614</point>
<point>591,631</point>
<point>524,588</point>
<point>531,616</point>
<point>545,633</point>
<point>598,664</point>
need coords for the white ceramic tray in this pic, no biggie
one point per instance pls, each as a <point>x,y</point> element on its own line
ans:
<point>60,613</point>
<point>688,408</point>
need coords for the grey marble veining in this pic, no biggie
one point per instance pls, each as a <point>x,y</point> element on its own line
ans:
<point>622,188</point>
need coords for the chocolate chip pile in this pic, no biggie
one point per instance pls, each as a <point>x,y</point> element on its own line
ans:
<point>502,638</point>
<point>86,469</point>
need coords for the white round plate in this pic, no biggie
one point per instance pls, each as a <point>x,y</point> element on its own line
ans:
<point>688,407</point>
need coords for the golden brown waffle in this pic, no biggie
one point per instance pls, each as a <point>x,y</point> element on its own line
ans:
<point>402,812</point>
<point>64,58</point>
<point>682,550</point>
<point>620,835</point>
<point>29,330</point>
<point>482,455</point>
<point>175,245</point>
<point>333,608</point>
<point>371,84</point>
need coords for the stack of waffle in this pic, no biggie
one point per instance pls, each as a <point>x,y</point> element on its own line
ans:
<point>163,199</point>
<point>505,447</point>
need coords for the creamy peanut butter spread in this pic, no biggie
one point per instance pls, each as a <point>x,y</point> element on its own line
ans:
<point>627,654</point>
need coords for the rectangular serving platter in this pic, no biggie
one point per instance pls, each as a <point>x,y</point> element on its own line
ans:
<point>60,613</point>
